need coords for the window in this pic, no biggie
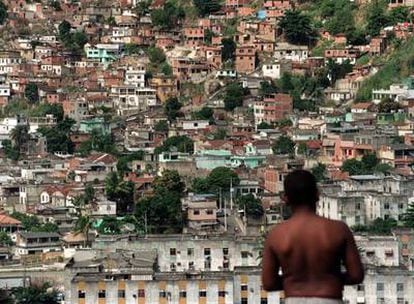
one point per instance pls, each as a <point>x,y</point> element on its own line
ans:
<point>405,246</point>
<point>207,251</point>
<point>141,293</point>
<point>400,286</point>
<point>358,206</point>
<point>221,293</point>
<point>202,293</point>
<point>263,300</point>
<point>81,294</point>
<point>121,293</point>
<point>173,251</point>
<point>380,301</point>
<point>400,206</point>
<point>386,206</point>
<point>196,212</point>
<point>210,212</point>
<point>183,294</point>
<point>243,287</point>
<point>380,286</point>
<point>244,254</point>
<point>225,251</point>
<point>244,301</point>
<point>163,294</point>
<point>190,251</point>
<point>400,300</point>
<point>102,293</point>
<point>360,287</point>
<point>173,267</point>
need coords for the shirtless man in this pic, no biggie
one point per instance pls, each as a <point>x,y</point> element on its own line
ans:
<point>309,249</point>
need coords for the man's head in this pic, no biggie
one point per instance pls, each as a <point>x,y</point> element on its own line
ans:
<point>301,189</point>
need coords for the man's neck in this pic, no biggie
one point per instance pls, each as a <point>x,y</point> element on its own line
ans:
<point>303,211</point>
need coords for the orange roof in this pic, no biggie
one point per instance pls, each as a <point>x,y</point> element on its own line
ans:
<point>8,220</point>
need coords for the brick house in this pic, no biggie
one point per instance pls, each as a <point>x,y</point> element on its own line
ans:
<point>245,59</point>
<point>272,108</point>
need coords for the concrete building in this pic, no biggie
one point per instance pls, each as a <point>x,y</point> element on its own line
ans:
<point>245,59</point>
<point>37,242</point>
<point>201,211</point>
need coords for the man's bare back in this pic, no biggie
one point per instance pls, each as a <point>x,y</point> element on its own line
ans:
<point>310,251</point>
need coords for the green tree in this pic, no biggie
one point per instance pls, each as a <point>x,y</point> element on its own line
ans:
<point>234,96</point>
<point>297,27</point>
<point>131,49</point>
<point>121,192</point>
<point>319,171</point>
<point>399,14</point>
<point>156,55</point>
<point>220,134</point>
<point>267,88</point>
<point>382,168</point>
<point>205,113</point>
<point>20,136</point>
<point>369,162</point>
<point>46,227</point>
<point>166,69</point>
<point>58,138</point>
<point>83,225</point>
<point>5,240</point>
<point>110,225</point>
<point>200,185</point>
<point>5,297</point>
<point>222,177</point>
<point>167,17</point>
<point>337,71</point>
<point>161,126</point>
<point>382,226</point>
<point>172,108</point>
<point>180,143</point>
<point>264,125</point>
<point>10,151</point>
<point>43,294</point>
<point>353,167</point>
<point>283,145</point>
<point>228,49</point>
<point>251,204</point>
<point>29,222</point>
<point>64,30</point>
<point>376,18</point>
<point>3,12</point>
<point>169,181</point>
<point>408,216</point>
<point>89,193</point>
<point>302,149</point>
<point>31,92</point>
<point>206,7</point>
<point>387,105</point>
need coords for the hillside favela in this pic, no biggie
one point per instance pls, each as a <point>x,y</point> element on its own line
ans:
<point>145,145</point>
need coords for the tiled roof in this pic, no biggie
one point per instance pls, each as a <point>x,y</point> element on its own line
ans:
<point>8,220</point>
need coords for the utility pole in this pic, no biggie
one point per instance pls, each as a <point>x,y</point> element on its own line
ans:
<point>231,193</point>
<point>225,217</point>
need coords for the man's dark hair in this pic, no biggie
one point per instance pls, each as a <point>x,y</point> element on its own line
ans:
<point>301,188</point>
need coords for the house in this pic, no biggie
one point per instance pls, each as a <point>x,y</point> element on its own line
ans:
<point>397,155</point>
<point>28,243</point>
<point>9,61</point>
<point>201,211</point>
<point>342,55</point>
<point>193,36</point>
<point>275,69</point>
<point>129,99</point>
<point>245,59</point>
<point>57,196</point>
<point>186,68</point>
<point>164,86</point>
<point>135,77</point>
<point>213,55</point>
<point>95,124</point>
<point>272,108</point>
<point>9,225</point>
<point>286,51</point>
<point>103,53</point>
<point>362,107</point>
<point>396,92</point>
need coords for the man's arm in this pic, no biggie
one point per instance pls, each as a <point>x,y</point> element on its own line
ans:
<point>271,280</point>
<point>354,270</point>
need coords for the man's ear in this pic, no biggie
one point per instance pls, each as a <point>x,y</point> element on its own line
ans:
<point>284,198</point>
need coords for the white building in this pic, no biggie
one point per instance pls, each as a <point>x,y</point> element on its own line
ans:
<point>396,92</point>
<point>135,77</point>
<point>292,52</point>
<point>276,69</point>
<point>131,99</point>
